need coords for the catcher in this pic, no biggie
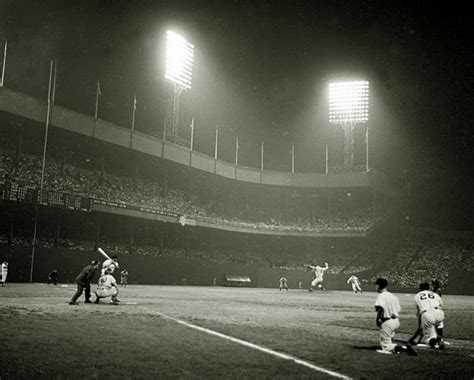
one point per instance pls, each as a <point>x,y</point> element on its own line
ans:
<point>107,287</point>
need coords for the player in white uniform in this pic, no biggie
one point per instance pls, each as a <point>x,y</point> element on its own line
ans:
<point>283,283</point>
<point>107,287</point>
<point>388,310</point>
<point>318,276</point>
<point>355,283</point>
<point>430,316</point>
<point>108,267</point>
<point>4,272</point>
<point>111,263</point>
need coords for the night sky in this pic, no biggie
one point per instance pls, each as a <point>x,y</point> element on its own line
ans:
<point>261,71</point>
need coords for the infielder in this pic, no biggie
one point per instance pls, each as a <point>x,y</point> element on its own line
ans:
<point>430,316</point>
<point>283,283</point>
<point>107,287</point>
<point>4,272</point>
<point>355,283</point>
<point>388,310</point>
<point>318,276</point>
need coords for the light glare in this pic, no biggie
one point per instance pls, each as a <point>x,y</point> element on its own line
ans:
<point>179,60</point>
<point>349,102</point>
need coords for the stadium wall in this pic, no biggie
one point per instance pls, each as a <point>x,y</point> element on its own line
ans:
<point>155,270</point>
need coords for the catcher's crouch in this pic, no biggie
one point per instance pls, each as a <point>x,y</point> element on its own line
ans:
<point>107,287</point>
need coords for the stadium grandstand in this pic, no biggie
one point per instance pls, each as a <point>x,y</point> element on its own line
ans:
<point>186,214</point>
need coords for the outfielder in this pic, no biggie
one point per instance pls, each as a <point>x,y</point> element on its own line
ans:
<point>283,283</point>
<point>388,310</point>
<point>355,283</point>
<point>430,316</point>
<point>318,276</point>
<point>107,287</point>
<point>4,272</point>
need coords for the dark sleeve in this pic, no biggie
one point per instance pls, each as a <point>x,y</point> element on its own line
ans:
<point>379,319</point>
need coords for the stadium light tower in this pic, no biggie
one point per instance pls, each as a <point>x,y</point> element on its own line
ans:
<point>349,105</point>
<point>178,70</point>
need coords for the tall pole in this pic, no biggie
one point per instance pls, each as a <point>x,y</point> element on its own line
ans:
<point>4,62</point>
<point>236,150</point>
<point>133,119</point>
<point>293,159</point>
<point>164,128</point>
<point>215,146</point>
<point>367,148</point>
<point>45,145</point>
<point>192,134</point>
<point>97,93</point>
<point>261,156</point>
<point>327,159</point>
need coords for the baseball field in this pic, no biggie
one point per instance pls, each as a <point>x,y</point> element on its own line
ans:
<point>185,332</point>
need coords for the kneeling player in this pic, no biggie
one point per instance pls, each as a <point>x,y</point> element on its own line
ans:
<point>107,287</point>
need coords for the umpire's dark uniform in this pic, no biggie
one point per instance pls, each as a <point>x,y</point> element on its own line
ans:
<point>83,281</point>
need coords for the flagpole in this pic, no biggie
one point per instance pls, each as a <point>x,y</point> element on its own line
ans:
<point>261,156</point>
<point>367,148</point>
<point>97,99</point>
<point>164,128</point>
<point>45,145</point>
<point>236,150</point>
<point>133,119</point>
<point>293,159</point>
<point>97,93</point>
<point>327,159</point>
<point>4,62</point>
<point>217,139</point>
<point>192,134</point>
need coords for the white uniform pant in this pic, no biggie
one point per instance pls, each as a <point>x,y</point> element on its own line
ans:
<point>4,276</point>
<point>356,287</point>
<point>430,320</point>
<point>317,282</point>
<point>104,292</point>
<point>387,332</point>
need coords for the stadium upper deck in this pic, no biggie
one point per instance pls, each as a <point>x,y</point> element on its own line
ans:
<point>25,106</point>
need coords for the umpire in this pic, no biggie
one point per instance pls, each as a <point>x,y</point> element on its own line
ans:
<point>83,281</point>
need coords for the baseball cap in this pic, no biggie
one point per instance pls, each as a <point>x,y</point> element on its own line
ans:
<point>95,262</point>
<point>381,282</point>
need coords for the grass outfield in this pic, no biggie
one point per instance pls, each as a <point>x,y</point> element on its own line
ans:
<point>151,335</point>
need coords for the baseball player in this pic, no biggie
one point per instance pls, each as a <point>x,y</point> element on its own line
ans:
<point>4,272</point>
<point>318,276</point>
<point>124,278</point>
<point>355,283</point>
<point>430,316</point>
<point>111,263</point>
<point>283,283</point>
<point>53,277</point>
<point>107,287</point>
<point>388,310</point>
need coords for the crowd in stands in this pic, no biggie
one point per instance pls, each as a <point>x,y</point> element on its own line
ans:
<point>77,178</point>
<point>415,259</point>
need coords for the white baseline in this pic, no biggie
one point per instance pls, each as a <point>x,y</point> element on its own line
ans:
<point>257,347</point>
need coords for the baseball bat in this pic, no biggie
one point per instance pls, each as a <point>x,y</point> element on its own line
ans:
<point>102,252</point>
